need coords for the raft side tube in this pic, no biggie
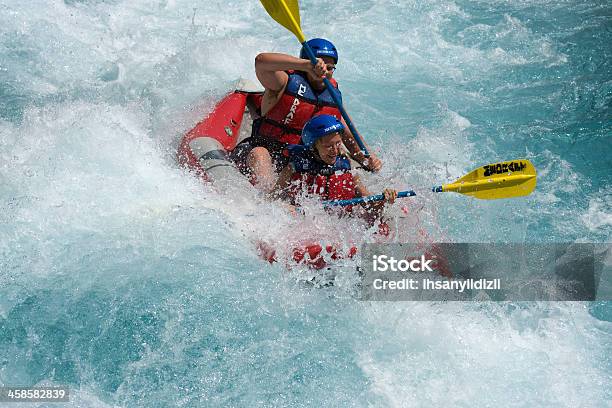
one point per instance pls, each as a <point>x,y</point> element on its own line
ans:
<point>213,160</point>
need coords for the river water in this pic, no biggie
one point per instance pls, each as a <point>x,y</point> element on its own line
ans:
<point>125,278</point>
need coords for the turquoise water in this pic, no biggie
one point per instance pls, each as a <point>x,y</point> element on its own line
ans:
<point>126,279</point>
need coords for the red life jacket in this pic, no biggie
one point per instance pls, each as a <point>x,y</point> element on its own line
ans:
<point>299,103</point>
<point>330,182</point>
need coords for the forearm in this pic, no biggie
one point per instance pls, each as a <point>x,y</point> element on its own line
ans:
<point>351,143</point>
<point>271,62</point>
<point>370,162</point>
<point>360,188</point>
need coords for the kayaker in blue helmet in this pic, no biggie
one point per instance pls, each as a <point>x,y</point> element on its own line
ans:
<point>318,167</point>
<point>294,93</point>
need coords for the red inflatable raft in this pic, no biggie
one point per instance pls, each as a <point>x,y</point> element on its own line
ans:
<point>206,147</point>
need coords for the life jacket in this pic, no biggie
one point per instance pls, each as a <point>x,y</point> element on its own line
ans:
<point>330,182</point>
<point>299,103</point>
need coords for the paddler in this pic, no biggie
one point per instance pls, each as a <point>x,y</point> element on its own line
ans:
<point>318,167</point>
<point>294,93</point>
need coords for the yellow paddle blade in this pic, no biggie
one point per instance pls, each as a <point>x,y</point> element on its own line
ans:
<point>507,179</point>
<point>287,14</point>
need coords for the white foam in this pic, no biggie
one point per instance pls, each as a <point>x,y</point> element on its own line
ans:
<point>89,173</point>
<point>508,351</point>
<point>598,217</point>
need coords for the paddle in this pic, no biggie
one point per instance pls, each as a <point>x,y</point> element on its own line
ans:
<point>287,14</point>
<point>360,200</point>
<point>509,179</point>
<point>515,178</point>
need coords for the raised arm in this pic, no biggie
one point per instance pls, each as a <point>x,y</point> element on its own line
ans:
<point>270,69</point>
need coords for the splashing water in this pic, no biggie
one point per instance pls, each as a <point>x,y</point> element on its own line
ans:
<point>125,278</point>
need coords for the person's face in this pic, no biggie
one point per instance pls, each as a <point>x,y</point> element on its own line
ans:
<point>318,83</point>
<point>330,65</point>
<point>329,147</point>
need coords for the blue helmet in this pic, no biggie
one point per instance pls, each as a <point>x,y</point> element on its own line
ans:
<point>320,48</point>
<point>319,126</point>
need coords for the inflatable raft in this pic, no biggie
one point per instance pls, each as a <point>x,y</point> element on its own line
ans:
<point>206,148</point>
